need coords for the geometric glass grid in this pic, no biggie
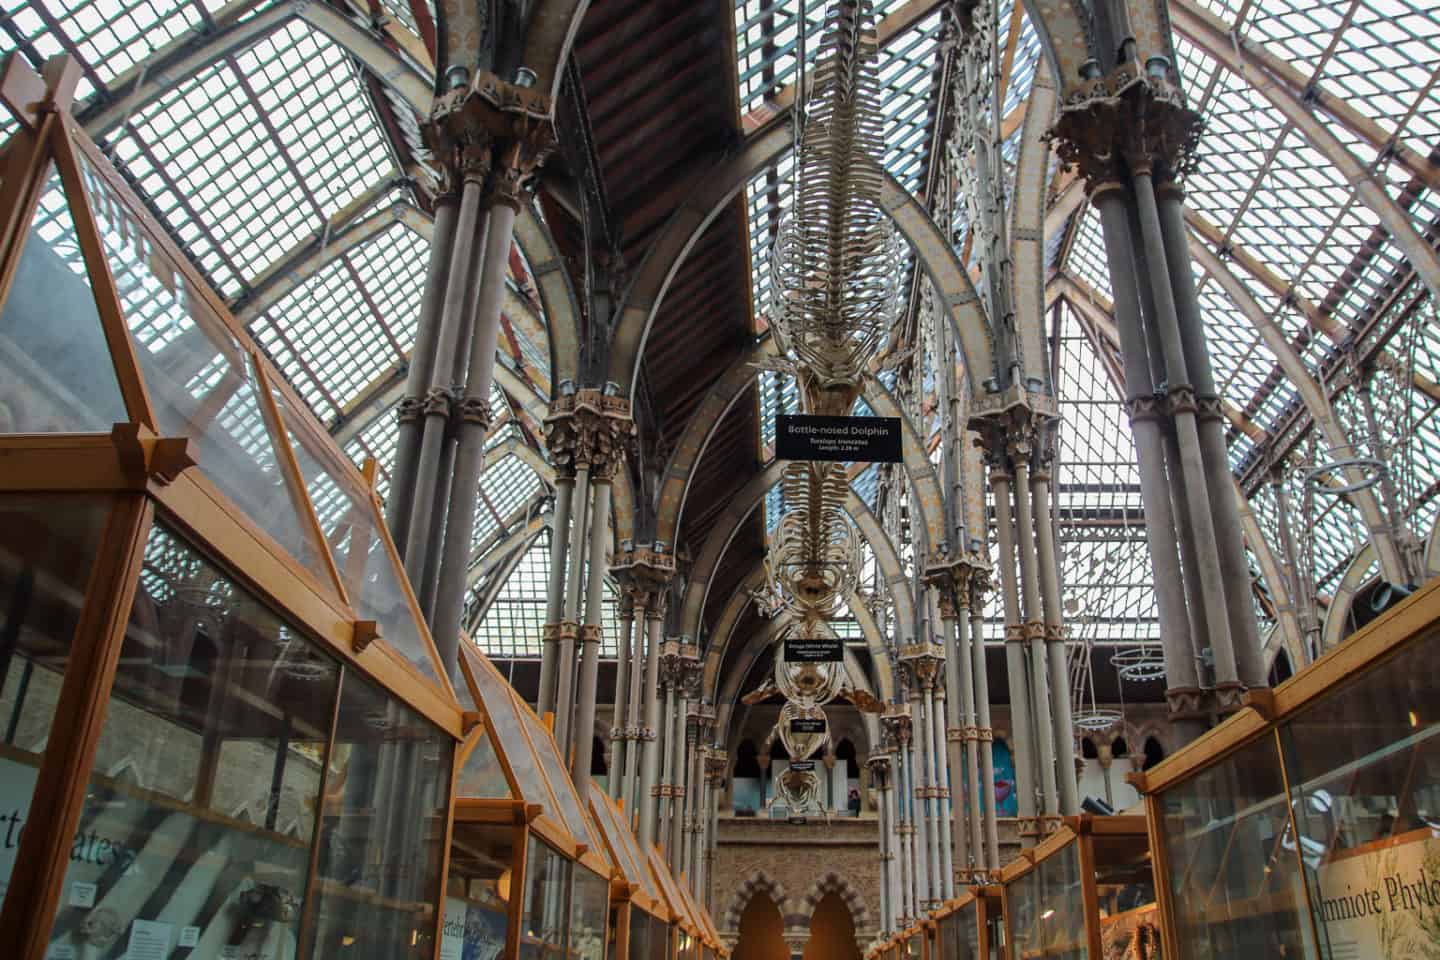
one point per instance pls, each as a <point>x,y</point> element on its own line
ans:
<point>1105,561</point>
<point>237,196</point>
<point>767,41</point>
<point>515,621</point>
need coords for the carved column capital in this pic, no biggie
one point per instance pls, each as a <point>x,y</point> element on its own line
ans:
<point>491,131</point>
<point>588,429</point>
<point>1130,120</point>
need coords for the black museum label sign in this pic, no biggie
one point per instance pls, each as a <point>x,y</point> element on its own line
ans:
<point>814,650</point>
<point>860,439</point>
<point>807,725</point>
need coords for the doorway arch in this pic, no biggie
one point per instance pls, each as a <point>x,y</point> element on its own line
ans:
<point>762,930</point>
<point>832,930</point>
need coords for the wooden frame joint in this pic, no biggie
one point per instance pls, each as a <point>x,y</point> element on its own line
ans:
<point>366,633</point>
<point>532,811</point>
<point>1262,701</point>
<point>469,720</point>
<point>158,459</point>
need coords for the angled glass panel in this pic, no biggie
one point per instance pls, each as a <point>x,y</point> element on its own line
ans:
<point>201,801</point>
<point>495,700</point>
<point>571,810</point>
<point>481,776</point>
<point>358,542</point>
<point>56,374</point>
<point>198,375</point>
<point>616,834</point>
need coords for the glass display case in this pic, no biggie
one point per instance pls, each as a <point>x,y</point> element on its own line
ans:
<point>1086,891</point>
<point>635,898</point>
<point>1306,824</point>
<point>226,730</point>
<point>526,859</point>
<point>971,927</point>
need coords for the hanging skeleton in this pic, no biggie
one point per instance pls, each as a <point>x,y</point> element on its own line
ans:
<point>836,271</point>
<point>836,265</point>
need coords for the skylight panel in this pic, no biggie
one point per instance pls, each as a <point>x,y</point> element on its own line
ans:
<point>206,153</point>
<point>504,487</point>
<point>329,330</point>
<point>515,622</point>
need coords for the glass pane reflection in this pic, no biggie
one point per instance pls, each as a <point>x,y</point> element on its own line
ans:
<point>384,822</point>
<point>1364,768</point>
<point>478,891</point>
<point>56,374</point>
<point>1047,908</point>
<point>201,803</point>
<point>547,881</point>
<point>198,376</point>
<point>47,546</point>
<point>1233,869</point>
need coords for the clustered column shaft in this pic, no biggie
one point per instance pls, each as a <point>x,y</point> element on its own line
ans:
<point>1132,151</point>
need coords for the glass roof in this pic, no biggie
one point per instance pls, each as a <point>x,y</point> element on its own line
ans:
<point>261,160</point>
<point>1272,197</point>
<point>255,165</point>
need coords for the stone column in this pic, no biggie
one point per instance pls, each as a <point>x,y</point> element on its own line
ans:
<point>1021,449</point>
<point>962,733</point>
<point>474,169</point>
<point>716,765</point>
<point>410,411</point>
<point>591,632</point>
<point>555,589</point>
<point>1183,410</point>
<point>953,746</point>
<point>497,135</point>
<point>615,777</point>
<point>1182,680</point>
<point>941,792</point>
<point>879,767</point>
<point>666,732</point>
<point>650,753</point>
<point>895,721</point>
<point>1055,649</point>
<point>569,636</point>
<point>1021,740</point>
<point>1234,565</point>
<point>633,704</point>
<point>984,733</point>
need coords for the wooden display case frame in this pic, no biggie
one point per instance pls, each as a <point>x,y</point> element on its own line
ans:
<point>983,901</point>
<point>142,476</point>
<point>1261,717</point>
<point>1081,832</point>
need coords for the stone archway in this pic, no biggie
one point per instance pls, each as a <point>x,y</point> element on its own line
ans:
<point>757,883</point>
<point>761,930</point>
<point>834,932</point>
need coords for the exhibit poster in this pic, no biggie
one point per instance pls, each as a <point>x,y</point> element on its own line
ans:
<point>1381,899</point>
<point>471,931</point>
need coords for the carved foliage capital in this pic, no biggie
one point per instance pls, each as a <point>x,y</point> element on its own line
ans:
<point>589,429</point>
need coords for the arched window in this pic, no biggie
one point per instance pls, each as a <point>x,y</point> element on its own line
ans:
<point>1280,670</point>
